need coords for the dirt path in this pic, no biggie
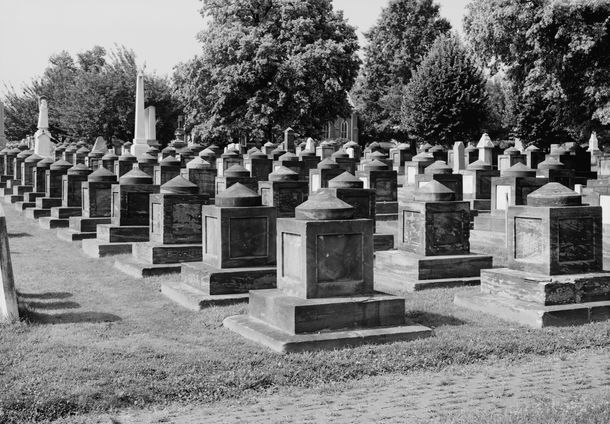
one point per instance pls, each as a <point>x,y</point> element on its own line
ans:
<point>420,397</point>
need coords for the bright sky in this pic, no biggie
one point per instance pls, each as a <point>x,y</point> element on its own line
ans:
<point>161,32</point>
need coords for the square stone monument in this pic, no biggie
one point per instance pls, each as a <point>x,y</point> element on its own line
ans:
<point>284,191</point>
<point>325,297</point>
<point>384,181</point>
<point>53,190</point>
<point>166,170</point>
<point>235,174</point>
<point>259,165</point>
<point>39,190</point>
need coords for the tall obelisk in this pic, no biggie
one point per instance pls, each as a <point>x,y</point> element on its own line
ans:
<point>43,146</point>
<point>3,139</point>
<point>140,146</point>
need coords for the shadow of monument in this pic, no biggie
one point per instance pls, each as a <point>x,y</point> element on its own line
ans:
<point>431,319</point>
<point>46,295</point>
<point>52,305</point>
<point>19,235</point>
<point>35,317</point>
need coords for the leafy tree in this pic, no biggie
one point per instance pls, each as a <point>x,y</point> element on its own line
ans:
<point>396,46</point>
<point>446,99</point>
<point>267,65</point>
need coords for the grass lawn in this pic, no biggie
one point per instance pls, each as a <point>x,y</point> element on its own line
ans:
<point>96,340</point>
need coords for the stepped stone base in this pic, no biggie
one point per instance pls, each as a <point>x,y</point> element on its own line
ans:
<point>128,234</point>
<point>48,202</point>
<point>96,248</point>
<point>86,225</point>
<point>63,212</point>
<point>35,213</point>
<point>215,281</point>
<point>138,269</point>
<point>490,243</point>
<point>68,234</point>
<point>383,242</point>
<point>318,324</point>
<point>479,204</point>
<point>49,222</point>
<point>397,271</point>
<point>155,253</point>
<point>191,298</point>
<point>494,221</point>
<point>540,300</point>
<point>22,206</point>
<point>32,196</point>
<point>13,198</point>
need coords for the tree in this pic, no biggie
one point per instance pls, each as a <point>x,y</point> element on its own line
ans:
<point>554,52</point>
<point>445,101</point>
<point>267,65</point>
<point>397,44</point>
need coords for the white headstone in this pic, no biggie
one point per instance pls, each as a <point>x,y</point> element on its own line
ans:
<point>459,160</point>
<point>485,147</point>
<point>3,139</point>
<point>593,143</point>
<point>310,144</point>
<point>519,145</point>
<point>9,311</point>
<point>100,145</point>
<point>139,145</point>
<point>43,146</point>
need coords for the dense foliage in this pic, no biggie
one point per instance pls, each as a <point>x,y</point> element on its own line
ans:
<point>554,56</point>
<point>397,44</point>
<point>446,99</point>
<point>267,65</point>
<point>89,96</point>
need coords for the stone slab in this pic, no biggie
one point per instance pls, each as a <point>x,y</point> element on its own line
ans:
<point>32,196</point>
<point>14,198</point>
<point>138,269</point>
<point>386,217</point>
<point>215,281</point>
<point>533,314</point>
<point>110,233</point>
<point>99,249</point>
<point>155,253</point>
<point>86,225</point>
<point>546,290</point>
<point>490,243</point>
<point>196,300</point>
<point>388,281</point>
<point>22,206</point>
<point>383,242</point>
<point>35,213</point>
<point>282,342</point>
<point>63,212</point>
<point>68,234</point>
<point>49,222</point>
<point>48,202</point>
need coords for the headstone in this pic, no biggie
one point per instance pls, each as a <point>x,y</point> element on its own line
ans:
<point>416,166</point>
<point>458,157</point>
<point>203,174</point>
<point>384,181</point>
<point>325,171</point>
<point>511,157</point>
<point>100,145</point>
<point>284,190</point>
<point>227,160</point>
<point>476,183</point>
<point>289,137</point>
<point>533,156</point>
<point>441,172</point>
<point>344,161</point>
<point>235,174</point>
<point>325,297</point>
<point>259,165</point>
<point>556,172</point>
<point>519,145</point>
<point>9,310</point>
<point>554,275</point>
<point>166,170</point>
<point>485,147</point>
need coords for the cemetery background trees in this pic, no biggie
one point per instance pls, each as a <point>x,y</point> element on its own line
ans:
<point>554,55</point>
<point>446,99</point>
<point>267,65</point>
<point>91,96</point>
<point>397,44</point>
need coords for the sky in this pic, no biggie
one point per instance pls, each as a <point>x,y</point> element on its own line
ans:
<point>161,32</point>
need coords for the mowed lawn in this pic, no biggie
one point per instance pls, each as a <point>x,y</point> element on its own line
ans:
<point>95,340</point>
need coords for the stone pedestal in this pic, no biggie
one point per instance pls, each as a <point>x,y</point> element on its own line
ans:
<point>284,191</point>
<point>354,150</point>
<point>168,169</point>
<point>554,274</point>
<point>416,166</point>
<point>227,160</point>
<point>233,175</point>
<point>291,161</point>
<point>510,157</point>
<point>433,243</point>
<point>310,160</point>
<point>203,174</point>
<point>130,215</point>
<point>124,164</point>
<point>399,155</point>
<point>476,183</point>
<point>147,163</point>
<point>344,161</point>
<point>324,150</point>
<point>259,165</point>
<point>53,190</point>
<point>325,296</point>
<point>71,199</point>
<point>326,170</point>
<point>443,173</point>
<point>533,156</point>
<point>378,177</point>
<point>175,232</point>
<point>238,236</point>
<point>513,186</point>
<point>80,156</point>
<point>556,172</point>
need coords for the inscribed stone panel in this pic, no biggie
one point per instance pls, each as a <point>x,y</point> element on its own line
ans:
<point>528,239</point>
<point>248,237</point>
<point>576,239</point>
<point>339,257</point>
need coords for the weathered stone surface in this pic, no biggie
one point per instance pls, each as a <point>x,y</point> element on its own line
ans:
<point>176,218</point>
<point>9,311</point>
<point>213,281</point>
<point>155,253</point>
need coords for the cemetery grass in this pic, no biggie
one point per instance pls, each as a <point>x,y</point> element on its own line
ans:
<point>94,340</point>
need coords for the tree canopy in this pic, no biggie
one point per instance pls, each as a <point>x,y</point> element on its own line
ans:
<point>267,65</point>
<point>446,99</point>
<point>397,44</point>
<point>90,95</point>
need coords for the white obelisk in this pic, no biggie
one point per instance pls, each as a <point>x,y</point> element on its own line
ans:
<point>43,146</point>
<point>139,146</point>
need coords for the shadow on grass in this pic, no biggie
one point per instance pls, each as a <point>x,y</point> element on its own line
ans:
<point>46,295</point>
<point>19,235</point>
<point>34,317</point>
<point>52,305</point>
<point>431,319</point>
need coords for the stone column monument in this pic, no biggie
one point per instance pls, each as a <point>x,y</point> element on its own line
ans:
<point>3,139</point>
<point>139,146</point>
<point>42,144</point>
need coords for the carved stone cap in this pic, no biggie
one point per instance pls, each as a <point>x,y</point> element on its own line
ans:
<point>24,154</point>
<point>346,180</point>
<point>479,165</point>
<point>95,154</point>
<point>554,194</point>
<point>438,167</point>
<point>199,163</point>
<point>45,163</point>
<point>170,161</point>
<point>551,163</point>
<point>146,158</point>
<point>532,148</point>
<point>60,165</point>
<point>236,171</point>
<point>376,165</point>
<point>110,156</point>
<point>339,154</point>
<point>511,151</point>
<point>283,174</point>
<point>79,169</point>
<point>423,157</point>
<point>237,196</point>
<point>437,148</point>
<point>230,154</point>
<point>257,154</point>
<point>179,185</point>
<point>128,157</point>
<point>322,206</point>
<point>288,157</point>
<point>519,170</point>
<point>307,153</point>
<point>207,153</point>
<point>33,158</point>
<point>83,150</point>
<point>102,175</point>
<point>328,163</point>
<point>170,150</point>
<point>135,176</point>
<point>434,192</point>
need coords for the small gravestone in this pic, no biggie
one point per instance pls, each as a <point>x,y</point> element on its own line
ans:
<point>291,161</point>
<point>399,155</point>
<point>130,212</point>
<point>28,171</point>
<point>354,150</point>
<point>69,154</point>
<point>238,236</point>
<point>32,211</point>
<point>511,157</point>
<point>9,311</point>
<point>325,297</point>
<point>227,160</point>
<point>259,165</point>
<point>416,166</point>
<point>166,170</point>
<point>441,172</point>
<point>433,245</point>
<point>325,171</point>
<point>175,231</point>
<point>458,157</point>
<point>310,160</point>
<point>476,183</point>
<point>100,145</point>
<point>325,150</point>
<point>3,139</point>
<point>486,147</point>
<point>344,161</point>
<point>202,173</point>
<point>471,154</point>
<point>284,191</point>
<point>235,174</point>
<point>124,164</point>
<point>53,188</point>
<point>289,137</point>
<point>555,264</point>
<point>556,172</point>
<point>147,163</point>
<point>384,181</point>
<point>533,156</point>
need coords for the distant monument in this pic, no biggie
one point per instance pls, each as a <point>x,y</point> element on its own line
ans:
<point>43,146</point>
<point>3,139</point>
<point>140,146</point>
<point>151,126</point>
